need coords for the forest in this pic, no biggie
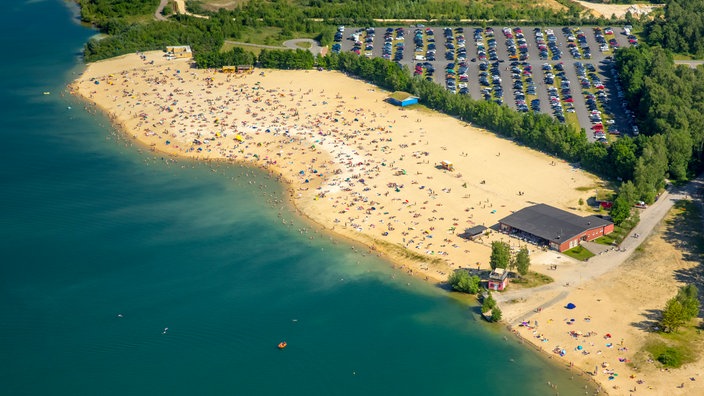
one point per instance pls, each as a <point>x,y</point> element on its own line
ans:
<point>102,11</point>
<point>668,101</point>
<point>129,25</point>
<point>681,29</point>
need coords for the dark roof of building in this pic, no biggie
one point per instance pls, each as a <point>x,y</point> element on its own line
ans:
<point>476,230</point>
<point>551,223</point>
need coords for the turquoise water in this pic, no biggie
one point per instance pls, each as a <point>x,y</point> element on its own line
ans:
<point>105,245</point>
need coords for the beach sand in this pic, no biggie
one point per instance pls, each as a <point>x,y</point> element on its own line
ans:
<point>615,314</point>
<point>367,170</point>
<point>355,164</point>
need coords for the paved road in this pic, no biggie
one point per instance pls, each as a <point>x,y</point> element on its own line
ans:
<point>315,48</point>
<point>571,276</point>
<point>692,63</point>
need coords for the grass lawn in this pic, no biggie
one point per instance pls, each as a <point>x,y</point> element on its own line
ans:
<point>304,45</point>
<point>261,35</point>
<point>606,239</point>
<point>531,279</point>
<point>682,57</point>
<point>672,349</point>
<point>579,252</point>
<point>228,46</point>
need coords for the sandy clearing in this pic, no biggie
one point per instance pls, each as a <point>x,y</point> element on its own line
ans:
<point>619,10</point>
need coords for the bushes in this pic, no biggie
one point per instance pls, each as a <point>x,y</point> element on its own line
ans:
<point>670,358</point>
<point>489,304</point>
<point>286,59</point>
<point>236,56</point>
<point>460,280</point>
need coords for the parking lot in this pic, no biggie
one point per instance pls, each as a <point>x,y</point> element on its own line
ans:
<point>562,71</point>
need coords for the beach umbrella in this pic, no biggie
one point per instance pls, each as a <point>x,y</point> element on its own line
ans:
<point>570,306</point>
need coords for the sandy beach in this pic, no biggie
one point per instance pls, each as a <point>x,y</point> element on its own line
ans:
<point>367,170</point>
<point>615,314</point>
<point>355,164</point>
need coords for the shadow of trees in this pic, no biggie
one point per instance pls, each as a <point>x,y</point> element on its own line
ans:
<point>650,321</point>
<point>685,232</point>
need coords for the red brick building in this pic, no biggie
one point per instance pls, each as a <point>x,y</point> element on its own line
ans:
<point>548,226</point>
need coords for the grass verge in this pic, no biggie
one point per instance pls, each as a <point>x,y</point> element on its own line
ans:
<point>673,350</point>
<point>579,252</point>
<point>227,46</point>
<point>532,279</point>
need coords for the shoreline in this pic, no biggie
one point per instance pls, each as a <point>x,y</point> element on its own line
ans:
<point>396,261</point>
<point>312,194</point>
<point>310,199</point>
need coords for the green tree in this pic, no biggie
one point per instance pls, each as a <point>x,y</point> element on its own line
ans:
<point>628,192</point>
<point>488,304</point>
<point>500,255</point>
<point>620,210</point>
<point>522,261</point>
<point>679,150</point>
<point>681,309</point>
<point>673,316</point>
<point>496,314</point>
<point>460,280</point>
<point>688,296</point>
<point>623,157</point>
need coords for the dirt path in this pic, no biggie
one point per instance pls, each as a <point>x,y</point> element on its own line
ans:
<point>159,9</point>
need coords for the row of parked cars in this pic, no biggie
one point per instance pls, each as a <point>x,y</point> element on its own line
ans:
<point>337,47</point>
<point>577,43</point>
<point>455,48</point>
<point>426,68</point>
<point>621,95</point>
<point>420,38</point>
<point>516,44</point>
<point>394,44</point>
<point>523,84</point>
<point>558,96</point>
<point>489,74</point>
<point>547,41</point>
<point>588,78</point>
